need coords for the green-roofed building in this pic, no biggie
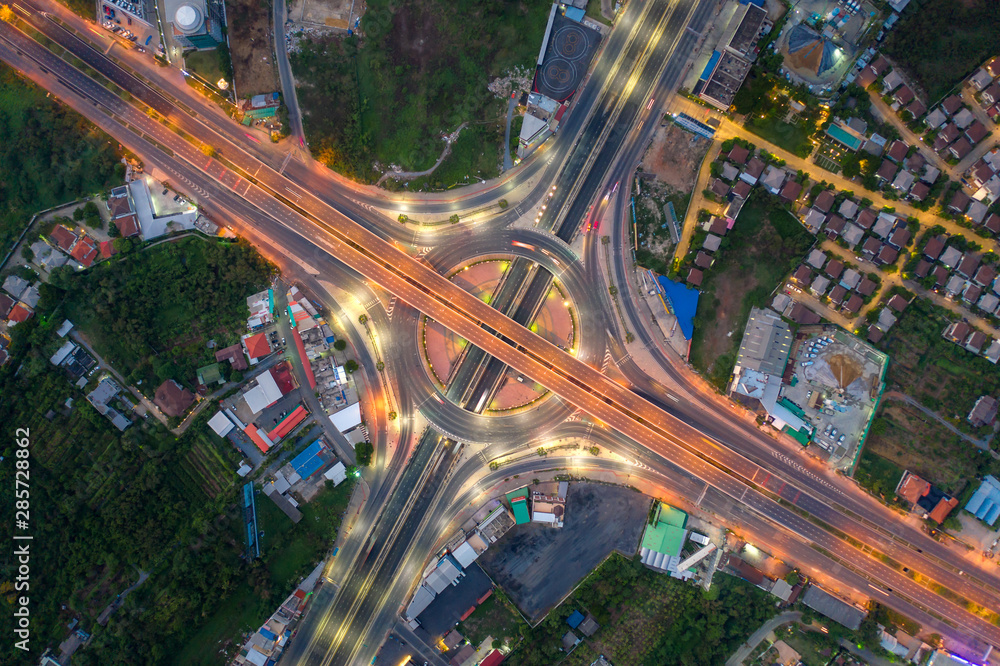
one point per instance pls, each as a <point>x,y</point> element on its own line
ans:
<point>667,534</point>
<point>210,374</point>
<point>519,505</point>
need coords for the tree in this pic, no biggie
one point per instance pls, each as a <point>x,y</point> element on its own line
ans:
<point>363,453</point>
<point>453,219</point>
<point>340,345</point>
<point>403,218</point>
<point>91,215</point>
<point>27,253</point>
<point>503,204</point>
<point>351,366</point>
<point>78,214</point>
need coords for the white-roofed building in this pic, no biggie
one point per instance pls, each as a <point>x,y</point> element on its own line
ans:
<point>65,328</point>
<point>466,554</point>
<point>263,395</point>
<point>337,474</point>
<point>220,424</point>
<point>60,356</point>
<point>347,418</point>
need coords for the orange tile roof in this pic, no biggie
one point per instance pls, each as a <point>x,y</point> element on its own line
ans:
<point>107,249</point>
<point>84,251</point>
<point>20,313</point>
<point>943,508</point>
<point>257,346</point>
<point>913,488</point>
<point>255,437</point>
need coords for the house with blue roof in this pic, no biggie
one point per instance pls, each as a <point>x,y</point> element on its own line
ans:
<point>985,502</point>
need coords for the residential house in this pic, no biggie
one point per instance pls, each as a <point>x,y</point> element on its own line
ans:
<point>984,412</point>
<point>957,332</point>
<point>936,118</point>
<point>824,201</point>
<point>891,81</point>
<point>963,119</point>
<point>791,191</point>
<point>899,238</point>
<point>814,219</point>
<point>903,181</point>
<point>960,148</point>
<point>959,201</point>
<point>774,179</point>
<point>887,255</point>
<point>752,172</point>
<point>866,218</point>
<point>991,94</point>
<point>838,294</point>
<point>967,267</point>
<point>916,108</point>
<point>976,132</point>
<point>848,209</point>
<point>952,104</point>
<point>887,171</point>
<point>834,225</point>
<point>919,191</point>
<point>835,268</point>
<point>738,155</point>
<point>934,247</point>
<point>903,96</point>
<point>852,234</point>
<point>897,151</point>
<point>980,79</point>
<point>976,212</point>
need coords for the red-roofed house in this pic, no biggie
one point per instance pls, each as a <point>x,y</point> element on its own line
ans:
<point>85,251</point>
<point>492,659</point>
<point>63,238</point>
<point>943,508</point>
<point>257,347</point>
<point>20,312</point>
<point>128,225</point>
<point>107,249</point>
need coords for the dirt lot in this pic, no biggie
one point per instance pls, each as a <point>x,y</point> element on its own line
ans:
<point>538,565</point>
<point>329,13</point>
<point>675,156</point>
<point>251,42</point>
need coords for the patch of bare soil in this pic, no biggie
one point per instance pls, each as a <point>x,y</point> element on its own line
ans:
<point>845,369</point>
<point>675,156</point>
<point>251,46</point>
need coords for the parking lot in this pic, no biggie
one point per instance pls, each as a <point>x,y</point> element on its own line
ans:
<point>538,565</point>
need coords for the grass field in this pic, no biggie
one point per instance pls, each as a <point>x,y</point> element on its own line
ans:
<point>940,42</point>
<point>421,70</point>
<point>912,440</point>
<point>878,475</point>
<point>764,245</point>
<point>792,137</point>
<point>205,64</point>
<point>494,617</point>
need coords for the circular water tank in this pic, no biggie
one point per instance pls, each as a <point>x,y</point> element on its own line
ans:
<point>188,18</point>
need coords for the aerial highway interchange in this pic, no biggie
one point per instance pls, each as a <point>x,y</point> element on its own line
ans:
<point>322,228</point>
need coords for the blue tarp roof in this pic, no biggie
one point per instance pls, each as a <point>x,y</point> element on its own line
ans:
<point>268,634</point>
<point>307,462</point>
<point>683,301</point>
<point>575,619</point>
<point>576,14</point>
